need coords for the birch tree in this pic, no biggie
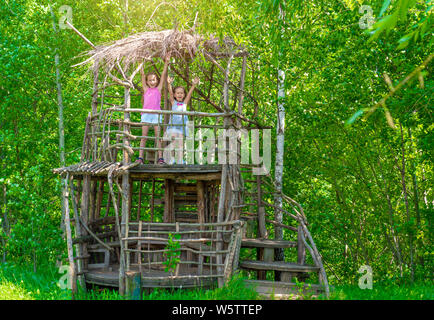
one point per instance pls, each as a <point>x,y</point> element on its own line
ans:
<point>280,137</point>
<point>61,125</point>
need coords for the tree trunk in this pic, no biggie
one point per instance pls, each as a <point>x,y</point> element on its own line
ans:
<point>280,145</point>
<point>407,208</point>
<point>5,222</point>
<point>61,126</point>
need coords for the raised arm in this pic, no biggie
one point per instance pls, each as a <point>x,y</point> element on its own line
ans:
<point>144,85</point>
<point>169,88</point>
<point>164,74</point>
<point>190,92</point>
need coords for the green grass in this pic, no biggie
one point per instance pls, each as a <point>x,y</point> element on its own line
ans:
<point>21,283</point>
<point>385,291</point>
<point>234,290</point>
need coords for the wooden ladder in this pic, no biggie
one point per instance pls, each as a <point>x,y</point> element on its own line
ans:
<point>288,270</point>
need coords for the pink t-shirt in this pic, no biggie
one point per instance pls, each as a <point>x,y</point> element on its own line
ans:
<point>152,99</point>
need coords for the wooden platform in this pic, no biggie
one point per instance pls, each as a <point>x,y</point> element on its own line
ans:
<point>152,278</point>
<point>177,171</point>
<point>277,266</point>
<point>267,243</point>
<point>165,171</point>
<point>283,290</point>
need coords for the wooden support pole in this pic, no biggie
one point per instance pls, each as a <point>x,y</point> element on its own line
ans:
<point>301,249</point>
<point>92,207</point>
<point>85,211</point>
<point>201,202</point>
<point>78,234</point>
<point>169,212</point>
<point>120,235</point>
<point>152,200</point>
<point>139,205</point>
<point>133,285</point>
<point>99,197</point>
<point>72,267</point>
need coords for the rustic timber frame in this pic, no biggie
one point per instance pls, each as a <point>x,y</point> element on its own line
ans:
<point>170,225</point>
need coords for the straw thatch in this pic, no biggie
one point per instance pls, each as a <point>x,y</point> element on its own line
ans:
<point>147,45</point>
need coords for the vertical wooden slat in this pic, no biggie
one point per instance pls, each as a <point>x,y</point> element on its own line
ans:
<point>152,200</point>
<point>169,212</point>
<point>200,202</point>
<point>139,247</point>
<point>78,234</point>
<point>139,205</point>
<point>301,249</point>
<point>99,199</point>
<point>73,271</point>
<point>85,210</point>
<point>92,207</point>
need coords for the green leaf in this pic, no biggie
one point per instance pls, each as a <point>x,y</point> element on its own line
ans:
<point>354,117</point>
<point>386,4</point>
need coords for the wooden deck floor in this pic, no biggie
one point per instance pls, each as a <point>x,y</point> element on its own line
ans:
<point>177,171</point>
<point>152,278</point>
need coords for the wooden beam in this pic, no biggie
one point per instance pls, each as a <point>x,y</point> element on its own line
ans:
<point>201,201</point>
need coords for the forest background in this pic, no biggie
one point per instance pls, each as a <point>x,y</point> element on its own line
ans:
<point>362,169</point>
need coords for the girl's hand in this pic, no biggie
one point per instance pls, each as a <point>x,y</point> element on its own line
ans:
<point>169,80</point>
<point>167,57</point>
<point>196,81</point>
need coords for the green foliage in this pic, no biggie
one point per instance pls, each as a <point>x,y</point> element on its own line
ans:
<point>173,253</point>
<point>384,291</point>
<point>233,290</point>
<point>20,283</point>
<point>363,205</point>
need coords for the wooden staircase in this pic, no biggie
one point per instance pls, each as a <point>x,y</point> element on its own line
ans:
<point>289,278</point>
<point>286,287</point>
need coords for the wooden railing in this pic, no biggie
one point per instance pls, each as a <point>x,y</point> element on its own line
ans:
<point>109,131</point>
<point>304,237</point>
<point>177,251</point>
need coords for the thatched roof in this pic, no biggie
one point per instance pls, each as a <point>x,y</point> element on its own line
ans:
<point>148,45</point>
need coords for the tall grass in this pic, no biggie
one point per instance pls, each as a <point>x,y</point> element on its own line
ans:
<point>385,291</point>
<point>21,283</point>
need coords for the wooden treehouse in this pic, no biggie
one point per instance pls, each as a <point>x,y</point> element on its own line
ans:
<point>183,225</point>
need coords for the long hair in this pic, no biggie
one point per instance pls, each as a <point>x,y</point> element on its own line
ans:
<point>177,87</point>
<point>152,73</point>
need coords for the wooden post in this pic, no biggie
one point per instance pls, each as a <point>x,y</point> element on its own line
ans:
<point>139,247</point>
<point>95,107</point>
<point>99,197</point>
<point>85,211</point>
<point>139,205</point>
<point>262,231</point>
<point>152,199</point>
<point>225,168</point>
<point>301,249</point>
<point>125,195</point>
<point>125,216</point>
<point>92,215</point>
<point>72,268</point>
<point>169,212</point>
<point>200,202</point>
<point>78,234</point>
<point>133,285</point>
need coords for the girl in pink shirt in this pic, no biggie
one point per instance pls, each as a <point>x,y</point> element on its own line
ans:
<point>151,100</point>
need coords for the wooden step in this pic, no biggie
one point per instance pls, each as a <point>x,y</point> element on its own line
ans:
<point>267,243</point>
<point>277,266</point>
<point>283,290</point>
